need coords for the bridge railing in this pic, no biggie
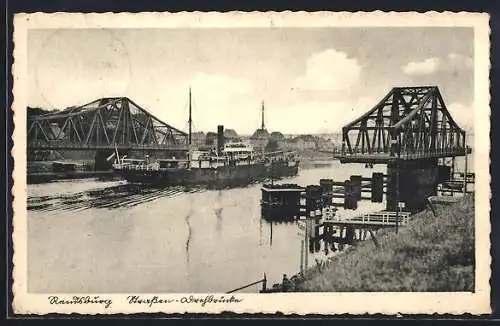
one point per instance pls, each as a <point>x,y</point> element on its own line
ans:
<point>452,151</point>
<point>433,153</point>
<point>58,144</point>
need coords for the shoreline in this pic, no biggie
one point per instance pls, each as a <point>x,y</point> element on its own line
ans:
<point>403,260</point>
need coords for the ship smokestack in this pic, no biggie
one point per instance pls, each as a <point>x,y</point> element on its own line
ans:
<point>220,139</point>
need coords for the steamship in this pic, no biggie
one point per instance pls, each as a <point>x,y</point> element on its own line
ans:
<point>229,164</point>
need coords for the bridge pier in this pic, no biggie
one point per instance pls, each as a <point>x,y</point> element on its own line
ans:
<point>411,182</point>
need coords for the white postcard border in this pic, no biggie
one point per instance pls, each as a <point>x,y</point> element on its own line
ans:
<point>288,303</point>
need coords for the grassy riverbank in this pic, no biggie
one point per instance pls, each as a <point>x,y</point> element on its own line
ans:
<point>432,253</point>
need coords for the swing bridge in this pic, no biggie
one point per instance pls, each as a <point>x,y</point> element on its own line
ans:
<point>104,124</point>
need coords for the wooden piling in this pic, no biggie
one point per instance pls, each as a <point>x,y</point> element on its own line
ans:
<point>356,186</point>
<point>465,172</point>
<point>311,245</point>
<point>350,235</point>
<point>377,190</point>
<point>313,199</point>
<point>326,185</point>
<point>301,257</point>
<point>350,198</point>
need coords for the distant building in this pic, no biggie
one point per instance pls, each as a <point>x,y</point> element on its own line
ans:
<point>327,143</point>
<point>330,142</point>
<point>259,138</point>
<point>211,138</point>
<point>302,142</point>
<point>278,136</point>
<point>336,138</point>
<point>198,138</point>
<point>231,135</point>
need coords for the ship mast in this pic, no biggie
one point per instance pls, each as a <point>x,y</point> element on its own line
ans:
<point>262,126</point>
<point>190,120</point>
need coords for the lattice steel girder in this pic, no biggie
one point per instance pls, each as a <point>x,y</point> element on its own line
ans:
<point>104,122</point>
<point>407,121</point>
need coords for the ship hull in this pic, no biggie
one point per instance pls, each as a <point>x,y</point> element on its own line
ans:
<point>221,176</point>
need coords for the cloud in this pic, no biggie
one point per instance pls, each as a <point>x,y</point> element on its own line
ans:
<point>426,67</point>
<point>462,114</point>
<point>429,66</point>
<point>456,60</point>
<point>329,70</point>
<point>331,116</point>
<point>317,116</point>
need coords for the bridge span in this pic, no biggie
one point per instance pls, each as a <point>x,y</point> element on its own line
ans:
<point>409,123</point>
<point>104,124</point>
<point>412,131</point>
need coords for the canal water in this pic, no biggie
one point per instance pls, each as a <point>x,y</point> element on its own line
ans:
<point>92,236</point>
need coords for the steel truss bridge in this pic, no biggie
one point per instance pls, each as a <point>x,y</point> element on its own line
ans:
<point>104,124</point>
<point>409,123</point>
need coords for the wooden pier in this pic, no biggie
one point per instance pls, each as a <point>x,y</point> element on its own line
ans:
<point>281,201</point>
<point>336,232</point>
<point>291,201</point>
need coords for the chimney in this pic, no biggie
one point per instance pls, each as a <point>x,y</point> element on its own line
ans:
<point>220,139</point>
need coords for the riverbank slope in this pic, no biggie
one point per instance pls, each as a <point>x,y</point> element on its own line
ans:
<point>432,253</point>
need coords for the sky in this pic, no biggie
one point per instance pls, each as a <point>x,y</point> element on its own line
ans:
<point>311,80</point>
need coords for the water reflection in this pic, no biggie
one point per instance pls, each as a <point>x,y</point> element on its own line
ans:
<point>271,235</point>
<point>261,221</point>
<point>218,212</point>
<point>189,230</point>
<point>96,237</point>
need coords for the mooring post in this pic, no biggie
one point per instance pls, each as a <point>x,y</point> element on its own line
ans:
<point>350,195</point>
<point>377,191</point>
<point>356,186</point>
<point>302,256</point>
<point>306,244</point>
<point>398,170</point>
<point>347,194</point>
<point>465,172</point>
<point>264,283</point>
<point>452,174</point>
<point>311,245</point>
<point>397,201</point>
<point>317,244</point>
